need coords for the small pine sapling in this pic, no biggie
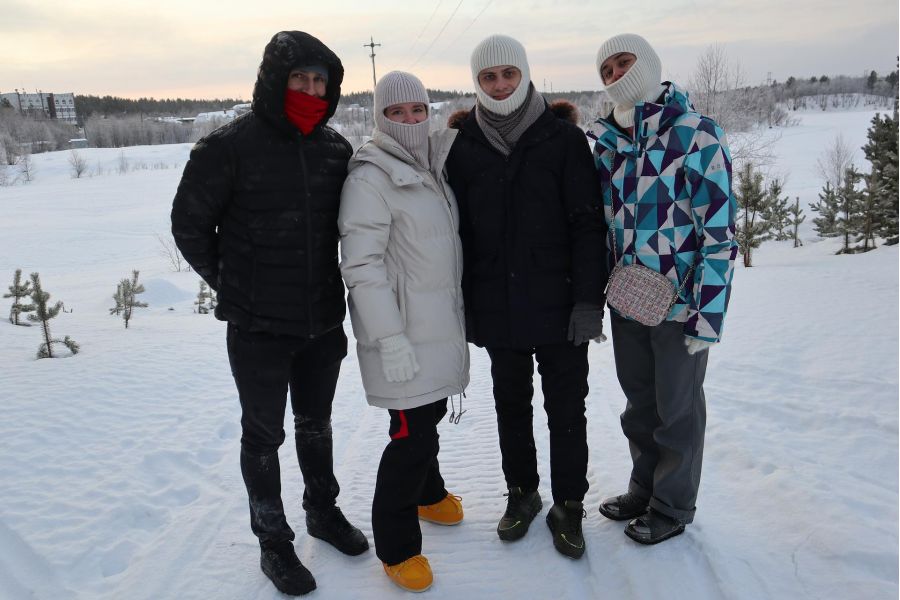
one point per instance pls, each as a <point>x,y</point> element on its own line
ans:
<point>130,289</point>
<point>42,314</point>
<point>119,299</point>
<point>213,299</point>
<point>795,217</point>
<point>202,297</point>
<point>17,291</point>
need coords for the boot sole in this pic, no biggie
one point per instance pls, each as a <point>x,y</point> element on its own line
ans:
<point>651,541</point>
<point>284,589</point>
<point>436,522</point>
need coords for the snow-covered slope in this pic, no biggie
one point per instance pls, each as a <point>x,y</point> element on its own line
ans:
<point>119,467</point>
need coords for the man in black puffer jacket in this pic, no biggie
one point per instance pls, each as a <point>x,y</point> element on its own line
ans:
<point>534,273</point>
<point>256,217</point>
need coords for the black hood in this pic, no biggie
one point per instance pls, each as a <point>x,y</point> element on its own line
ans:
<point>287,50</point>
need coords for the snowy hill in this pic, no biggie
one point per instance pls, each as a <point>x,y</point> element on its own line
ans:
<point>119,471</point>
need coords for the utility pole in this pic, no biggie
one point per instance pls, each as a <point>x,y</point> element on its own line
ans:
<point>371,45</point>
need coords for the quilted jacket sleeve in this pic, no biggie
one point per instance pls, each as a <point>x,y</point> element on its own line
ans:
<point>365,225</point>
<point>199,206</point>
<point>584,205</point>
<point>713,206</point>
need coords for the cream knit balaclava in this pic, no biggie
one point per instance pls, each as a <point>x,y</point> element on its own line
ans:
<point>398,87</point>
<point>642,81</point>
<point>495,51</point>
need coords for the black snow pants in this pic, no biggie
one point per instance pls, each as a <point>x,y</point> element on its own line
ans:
<point>265,366</point>
<point>564,370</point>
<point>408,477</point>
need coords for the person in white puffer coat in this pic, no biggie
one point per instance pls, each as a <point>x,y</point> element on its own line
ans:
<point>401,259</point>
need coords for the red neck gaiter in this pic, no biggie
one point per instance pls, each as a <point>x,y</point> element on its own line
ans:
<point>303,110</point>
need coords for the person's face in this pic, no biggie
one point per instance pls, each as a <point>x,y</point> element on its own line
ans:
<point>614,67</point>
<point>499,82</point>
<point>407,112</point>
<point>307,82</point>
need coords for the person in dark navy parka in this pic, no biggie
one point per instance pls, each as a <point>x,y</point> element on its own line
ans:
<point>256,217</point>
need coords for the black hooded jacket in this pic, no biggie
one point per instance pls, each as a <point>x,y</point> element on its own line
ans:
<point>256,211</point>
<point>532,230</point>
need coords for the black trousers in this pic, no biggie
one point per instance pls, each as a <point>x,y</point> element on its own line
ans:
<point>265,367</point>
<point>665,417</point>
<point>408,476</point>
<point>564,370</point>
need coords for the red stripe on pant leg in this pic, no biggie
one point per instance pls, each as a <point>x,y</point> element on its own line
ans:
<point>404,428</point>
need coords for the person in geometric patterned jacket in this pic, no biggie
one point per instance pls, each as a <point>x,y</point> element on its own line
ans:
<point>665,175</point>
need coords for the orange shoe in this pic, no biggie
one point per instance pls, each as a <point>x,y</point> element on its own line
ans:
<point>413,574</point>
<point>448,511</point>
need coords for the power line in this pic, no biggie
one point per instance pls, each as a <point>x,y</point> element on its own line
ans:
<point>418,37</point>
<point>437,37</point>
<point>456,39</point>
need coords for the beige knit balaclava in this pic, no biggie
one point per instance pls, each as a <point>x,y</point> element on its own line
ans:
<point>398,87</point>
<point>495,51</point>
<point>642,81</point>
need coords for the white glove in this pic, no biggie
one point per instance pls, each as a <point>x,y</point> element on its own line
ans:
<point>695,345</point>
<point>398,359</point>
<point>600,339</point>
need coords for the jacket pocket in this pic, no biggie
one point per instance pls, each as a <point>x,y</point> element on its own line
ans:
<point>400,292</point>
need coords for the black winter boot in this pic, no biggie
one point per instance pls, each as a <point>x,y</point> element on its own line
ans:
<point>280,564</point>
<point>331,525</point>
<point>653,527</point>
<point>564,521</point>
<point>521,509</point>
<point>623,507</point>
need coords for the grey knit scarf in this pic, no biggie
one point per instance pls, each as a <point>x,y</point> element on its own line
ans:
<point>503,132</point>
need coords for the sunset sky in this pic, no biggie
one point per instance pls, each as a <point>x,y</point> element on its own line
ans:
<point>207,49</point>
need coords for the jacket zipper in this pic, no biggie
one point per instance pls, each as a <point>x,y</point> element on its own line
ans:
<point>309,264</point>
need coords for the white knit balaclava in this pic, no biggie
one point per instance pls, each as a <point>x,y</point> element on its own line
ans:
<point>398,87</point>
<point>642,81</point>
<point>495,51</point>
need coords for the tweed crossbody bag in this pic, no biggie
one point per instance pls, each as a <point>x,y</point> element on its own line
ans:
<point>638,292</point>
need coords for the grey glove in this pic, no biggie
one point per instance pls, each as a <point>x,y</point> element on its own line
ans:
<point>398,359</point>
<point>695,345</point>
<point>586,322</point>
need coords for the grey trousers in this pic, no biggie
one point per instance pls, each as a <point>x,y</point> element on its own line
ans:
<point>665,416</point>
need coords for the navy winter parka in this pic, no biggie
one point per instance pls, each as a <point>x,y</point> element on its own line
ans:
<point>256,211</point>
<point>532,230</point>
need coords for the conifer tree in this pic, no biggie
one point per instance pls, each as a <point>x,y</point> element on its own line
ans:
<point>775,212</point>
<point>751,229</point>
<point>869,213</point>
<point>119,299</point>
<point>213,299</point>
<point>849,201</point>
<point>130,289</point>
<point>42,314</point>
<point>827,207</point>
<point>881,151</point>
<point>795,217</point>
<point>202,297</point>
<point>17,291</point>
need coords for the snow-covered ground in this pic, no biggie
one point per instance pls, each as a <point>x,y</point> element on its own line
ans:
<point>119,469</point>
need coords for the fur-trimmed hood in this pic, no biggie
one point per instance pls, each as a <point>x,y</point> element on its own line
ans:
<point>563,109</point>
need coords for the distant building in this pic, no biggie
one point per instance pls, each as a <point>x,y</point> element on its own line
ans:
<point>54,106</point>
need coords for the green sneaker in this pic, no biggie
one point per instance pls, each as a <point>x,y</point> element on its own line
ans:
<point>521,509</point>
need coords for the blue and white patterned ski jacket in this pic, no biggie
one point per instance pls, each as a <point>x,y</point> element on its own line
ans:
<point>668,194</point>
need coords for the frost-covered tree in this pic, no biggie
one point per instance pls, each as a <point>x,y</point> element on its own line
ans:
<point>42,314</point>
<point>130,289</point>
<point>827,207</point>
<point>835,160</point>
<point>17,291</point>
<point>775,212</point>
<point>795,217</point>
<point>26,168</point>
<point>751,228</point>
<point>119,299</point>
<point>881,151</point>
<point>203,297</point>
<point>77,164</point>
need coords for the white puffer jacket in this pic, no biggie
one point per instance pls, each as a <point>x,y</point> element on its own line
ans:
<point>401,259</point>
